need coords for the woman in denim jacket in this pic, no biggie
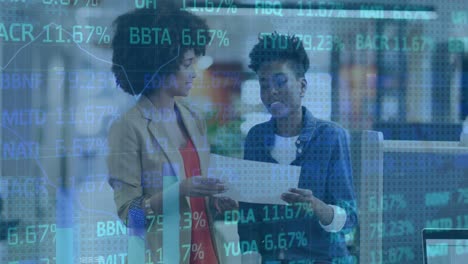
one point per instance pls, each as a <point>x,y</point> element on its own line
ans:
<point>322,208</point>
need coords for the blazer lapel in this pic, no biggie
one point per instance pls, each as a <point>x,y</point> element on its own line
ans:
<point>161,137</point>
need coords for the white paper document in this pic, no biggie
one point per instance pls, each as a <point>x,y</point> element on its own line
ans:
<point>252,181</point>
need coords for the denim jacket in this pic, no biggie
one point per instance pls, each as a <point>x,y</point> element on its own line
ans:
<point>324,157</point>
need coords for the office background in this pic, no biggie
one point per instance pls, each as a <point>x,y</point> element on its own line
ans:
<point>393,66</point>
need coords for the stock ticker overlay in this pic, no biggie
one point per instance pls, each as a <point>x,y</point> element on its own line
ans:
<point>396,68</point>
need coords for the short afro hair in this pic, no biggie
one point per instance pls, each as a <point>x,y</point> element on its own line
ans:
<point>276,47</point>
<point>132,62</point>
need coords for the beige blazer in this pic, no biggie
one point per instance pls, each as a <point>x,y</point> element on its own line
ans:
<point>141,161</point>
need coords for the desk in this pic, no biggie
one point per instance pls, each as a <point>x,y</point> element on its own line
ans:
<point>425,184</point>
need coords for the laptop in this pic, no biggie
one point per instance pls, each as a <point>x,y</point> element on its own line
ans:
<point>445,246</point>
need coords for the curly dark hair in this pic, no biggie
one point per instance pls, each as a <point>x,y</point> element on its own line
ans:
<point>276,47</point>
<point>133,62</point>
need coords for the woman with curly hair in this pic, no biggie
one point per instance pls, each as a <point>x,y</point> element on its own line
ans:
<point>159,152</point>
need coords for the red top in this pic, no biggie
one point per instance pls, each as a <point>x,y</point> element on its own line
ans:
<point>201,250</point>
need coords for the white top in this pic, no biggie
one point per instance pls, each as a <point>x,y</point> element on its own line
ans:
<point>284,152</point>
